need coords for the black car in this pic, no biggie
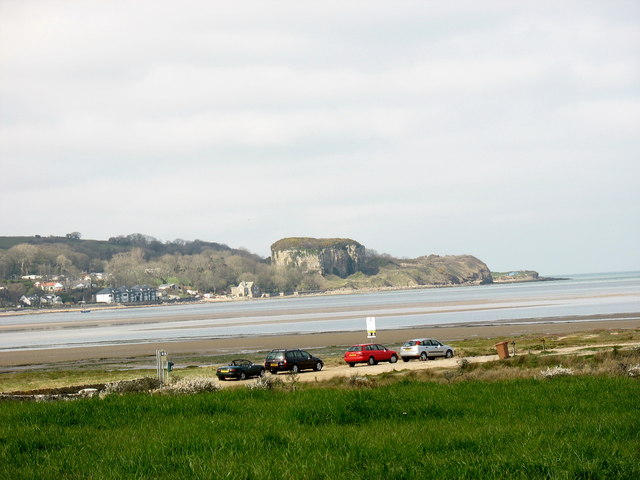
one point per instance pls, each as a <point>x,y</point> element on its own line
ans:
<point>291,360</point>
<point>240,369</point>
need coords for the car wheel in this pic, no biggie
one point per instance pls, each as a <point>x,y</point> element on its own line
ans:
<point>372,361</point>
<point>243,376</point>
<point>449,354</point>
<point>318,366</point>
<point>351,364</point>
<point>274,372</point>
<point>295,369</point>
<point>393,359</point>
<point>405,359</point>
<point>221,378</point>
<point>424,356</point>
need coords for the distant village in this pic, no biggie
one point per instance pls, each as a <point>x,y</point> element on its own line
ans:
<point>53,289</point>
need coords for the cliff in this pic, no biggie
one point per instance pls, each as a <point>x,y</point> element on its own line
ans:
<point>448,270</point>
<point>327,256</point>
<point>345,263</point>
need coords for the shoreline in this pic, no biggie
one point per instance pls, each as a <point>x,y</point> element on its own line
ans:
<point>341,291</point>
<point>219,346</point>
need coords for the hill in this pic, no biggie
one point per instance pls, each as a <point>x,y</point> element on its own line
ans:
<point>296,264</point>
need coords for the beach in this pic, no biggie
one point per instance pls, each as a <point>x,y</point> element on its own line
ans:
<point>129,335</point>
<point>218,346</point>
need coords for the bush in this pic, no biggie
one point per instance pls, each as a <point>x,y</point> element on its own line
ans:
<point>137,385</point>
<point>634,371</point>
<point>190,385</point>
<point>557,371</point>
<point>265,383</point>
<point>359,381</point>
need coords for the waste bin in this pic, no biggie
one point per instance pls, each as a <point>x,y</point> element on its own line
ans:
<point>503,349</point>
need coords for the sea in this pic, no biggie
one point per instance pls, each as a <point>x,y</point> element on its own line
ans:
<point>572,299</point>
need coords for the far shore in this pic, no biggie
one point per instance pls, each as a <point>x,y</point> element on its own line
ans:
<point>341,291</point>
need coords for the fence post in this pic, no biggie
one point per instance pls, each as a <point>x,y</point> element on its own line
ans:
<point>161,360</point>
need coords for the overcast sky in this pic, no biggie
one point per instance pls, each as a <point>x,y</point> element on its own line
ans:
<point>506,130</point>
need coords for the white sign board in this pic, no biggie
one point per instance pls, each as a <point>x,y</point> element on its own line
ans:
<point>371,327</point>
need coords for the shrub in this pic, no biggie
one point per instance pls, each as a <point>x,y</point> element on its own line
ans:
<point>358,381</point>
<point>190,385</point>
<point>634,371</point>
<point>265,383</point>
<point>557,371</point>
<point>137,385</point>
<point>463,364</point>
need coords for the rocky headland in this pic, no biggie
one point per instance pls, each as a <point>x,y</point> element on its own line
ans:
<point>346,263</point>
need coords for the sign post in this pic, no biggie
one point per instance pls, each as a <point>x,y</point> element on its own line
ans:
<point>371,327</point>
<point>161,365</point>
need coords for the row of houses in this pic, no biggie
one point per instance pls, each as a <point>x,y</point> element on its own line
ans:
<point>136,294</point>
<point>38,300</point>
<point>139,293</point>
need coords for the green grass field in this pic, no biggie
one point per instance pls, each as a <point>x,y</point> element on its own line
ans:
<point>569,427</point>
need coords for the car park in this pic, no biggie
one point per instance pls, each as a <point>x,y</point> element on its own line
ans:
<point>370,353</point>
<point>293,360</point>
<point>424,349</point>
<point>240,369</point>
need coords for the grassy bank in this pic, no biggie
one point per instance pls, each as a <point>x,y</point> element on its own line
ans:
<point>571,427</point>
<point>106,370</point>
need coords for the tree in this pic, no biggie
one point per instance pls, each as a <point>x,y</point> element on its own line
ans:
<point>128,268</point>
<point>63,264</point>
<point>74,236</point>
<point>23,255</point>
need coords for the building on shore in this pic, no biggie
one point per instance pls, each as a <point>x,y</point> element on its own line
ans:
<point>136,294</point>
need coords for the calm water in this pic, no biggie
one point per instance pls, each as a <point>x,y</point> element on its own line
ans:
<point>582,295</point>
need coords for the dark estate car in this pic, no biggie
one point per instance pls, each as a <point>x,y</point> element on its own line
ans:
<point>291,360</point>
<point>240,369</point>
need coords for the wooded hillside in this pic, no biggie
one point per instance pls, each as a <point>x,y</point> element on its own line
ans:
<point>139,259</point>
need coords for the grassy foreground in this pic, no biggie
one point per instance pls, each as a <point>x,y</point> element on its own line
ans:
<point>567,427</point>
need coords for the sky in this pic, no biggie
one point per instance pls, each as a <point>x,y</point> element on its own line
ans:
<point>505,130</point>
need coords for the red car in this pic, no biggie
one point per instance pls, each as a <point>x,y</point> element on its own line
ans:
<point>370,353</point>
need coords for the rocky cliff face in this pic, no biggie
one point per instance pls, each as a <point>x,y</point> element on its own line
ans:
<point>327,256</point>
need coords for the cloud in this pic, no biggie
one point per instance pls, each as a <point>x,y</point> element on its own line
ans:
<point>405,127</point>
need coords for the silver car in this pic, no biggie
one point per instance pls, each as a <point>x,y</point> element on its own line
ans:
<point>424,348</point>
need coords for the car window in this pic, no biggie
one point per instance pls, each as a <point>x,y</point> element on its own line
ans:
<point>355,348</point>
<point>275,356</point>
<point>305,355</point>
<point>380,347</point>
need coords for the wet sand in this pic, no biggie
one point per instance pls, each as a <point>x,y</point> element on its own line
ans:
<point>215,346</point>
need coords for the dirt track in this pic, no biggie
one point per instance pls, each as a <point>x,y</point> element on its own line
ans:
<point>330,372</point>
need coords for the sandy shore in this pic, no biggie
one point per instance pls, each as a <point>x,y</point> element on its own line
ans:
<point>238,345</point>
